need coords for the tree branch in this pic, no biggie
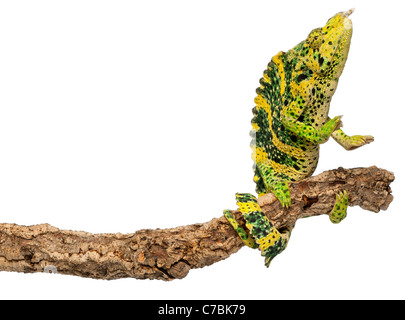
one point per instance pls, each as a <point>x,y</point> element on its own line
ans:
<point>168,254</point>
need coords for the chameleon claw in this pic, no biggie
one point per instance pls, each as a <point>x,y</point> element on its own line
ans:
<point>368,139</point>
<point>285,201</point>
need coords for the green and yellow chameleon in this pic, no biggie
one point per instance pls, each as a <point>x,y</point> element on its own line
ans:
<point>290,122</point>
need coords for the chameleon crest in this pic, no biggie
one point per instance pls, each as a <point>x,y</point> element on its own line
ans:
<point>290,121</point>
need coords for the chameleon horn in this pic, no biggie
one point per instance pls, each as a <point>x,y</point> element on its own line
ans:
<point>345,14</point>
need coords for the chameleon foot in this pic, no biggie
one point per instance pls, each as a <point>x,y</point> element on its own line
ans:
<point>351,142</point>
<point>354,142</point>
<point>338,212</point>
<point>270,241</point>
<point>282,193</point>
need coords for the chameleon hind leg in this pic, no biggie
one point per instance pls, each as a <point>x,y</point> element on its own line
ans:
<point>339,210</point>
<point>275,182</point>
<point>270,241</point>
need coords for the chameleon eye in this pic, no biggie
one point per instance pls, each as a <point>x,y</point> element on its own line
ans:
<point>314,39</point>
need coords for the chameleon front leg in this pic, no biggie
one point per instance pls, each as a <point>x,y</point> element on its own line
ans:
<point>350,142</point>
<point>290,119</point>
<point>270,241</point>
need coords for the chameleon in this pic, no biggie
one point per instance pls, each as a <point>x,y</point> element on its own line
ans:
<point>290,122</point>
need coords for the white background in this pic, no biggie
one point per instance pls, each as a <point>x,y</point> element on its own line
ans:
<point>106,104</point>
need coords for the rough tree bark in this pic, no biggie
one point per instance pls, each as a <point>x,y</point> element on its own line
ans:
<point>168,254</point>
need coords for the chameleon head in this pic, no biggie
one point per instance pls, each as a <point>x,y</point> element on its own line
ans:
<point>326,49</point>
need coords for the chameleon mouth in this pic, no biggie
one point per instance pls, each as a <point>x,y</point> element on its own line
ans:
<point>347,23</point>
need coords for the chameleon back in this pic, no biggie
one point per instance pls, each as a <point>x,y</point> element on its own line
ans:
<point>288,154</point>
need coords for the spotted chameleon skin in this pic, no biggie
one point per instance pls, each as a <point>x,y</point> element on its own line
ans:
<point>290,119</point>
<point>292,106</point>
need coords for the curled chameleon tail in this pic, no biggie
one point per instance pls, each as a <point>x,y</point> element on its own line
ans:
<point>263,234</point>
